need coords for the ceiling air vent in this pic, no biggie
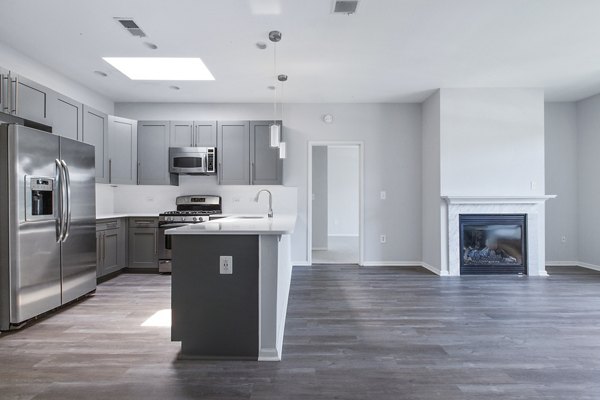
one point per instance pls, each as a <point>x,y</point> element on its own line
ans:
<point>131,27</point>
<point>345,6</point>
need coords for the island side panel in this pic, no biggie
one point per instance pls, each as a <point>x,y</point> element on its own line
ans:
<point>215,315</point>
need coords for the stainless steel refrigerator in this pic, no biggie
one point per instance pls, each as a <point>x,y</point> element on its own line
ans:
<point>47,222</point>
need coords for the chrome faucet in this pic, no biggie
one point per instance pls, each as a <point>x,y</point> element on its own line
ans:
<point>270,214</point>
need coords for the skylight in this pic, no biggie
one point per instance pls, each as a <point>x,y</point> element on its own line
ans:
<point>161,68</point>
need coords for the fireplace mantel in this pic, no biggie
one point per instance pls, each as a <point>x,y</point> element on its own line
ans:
<point>532,206</point>
<point>497,199</point>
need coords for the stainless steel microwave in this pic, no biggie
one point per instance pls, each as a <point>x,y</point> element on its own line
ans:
<point>192,160</point>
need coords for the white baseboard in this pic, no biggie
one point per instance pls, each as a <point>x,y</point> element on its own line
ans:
<point>573,264</point>
<point>391,264</point>
<point>589,266</point>
<point>300,263</point>
<point>320,248</point>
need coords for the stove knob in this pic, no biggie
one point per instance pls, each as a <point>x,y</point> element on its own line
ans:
<point>195,219</point>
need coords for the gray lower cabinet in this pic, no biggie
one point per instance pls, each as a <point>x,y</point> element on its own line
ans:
<point>233,152</point>
<point>153,154</point>
<point>122,150</point>
<point>266,168</point>
<point>67,118</point>
<point>30,100</point>
<point>111,246</point>
<point>143,243</point>
<point>95,132</point>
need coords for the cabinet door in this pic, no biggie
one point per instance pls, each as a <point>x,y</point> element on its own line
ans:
<point>143,247</point>
<point>31,100</point>
<point>95,132</point>
<point>205,133</point>
<point>181,134</point>
<point>233,153</point>
<point>110,244</point>
<point>266,168</point>
<point>67,118</point>
<point>122,150</point>
<point>153,154</point>
<point>4,91</point>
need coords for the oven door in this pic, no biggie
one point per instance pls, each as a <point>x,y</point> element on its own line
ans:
<point>187,160</point>
<point>164,241</point>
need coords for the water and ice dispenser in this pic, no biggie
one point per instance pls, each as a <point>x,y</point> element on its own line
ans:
<point>39,198</point>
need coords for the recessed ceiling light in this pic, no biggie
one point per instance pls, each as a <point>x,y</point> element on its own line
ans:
<point>100,73</point>
<point>161,68</point>
<point>151,45</point>
<point>174,87</point>
<point>261,45</point>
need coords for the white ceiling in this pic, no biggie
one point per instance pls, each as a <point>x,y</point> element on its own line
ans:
<point>390,51</point>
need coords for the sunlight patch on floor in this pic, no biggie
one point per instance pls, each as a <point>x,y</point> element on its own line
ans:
<point>159,318</point>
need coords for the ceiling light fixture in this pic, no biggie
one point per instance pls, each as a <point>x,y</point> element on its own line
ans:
<point>275,129</point>
<point>150,45</point>
<point>100,73</point>
<point>261,45</point>
<point>174,87</point>
<point>161,68</point>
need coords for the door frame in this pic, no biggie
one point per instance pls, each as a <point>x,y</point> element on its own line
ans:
<point>361,200</point>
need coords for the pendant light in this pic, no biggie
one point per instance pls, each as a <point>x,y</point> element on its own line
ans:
<point>275,129</point>
<point>282,146</point>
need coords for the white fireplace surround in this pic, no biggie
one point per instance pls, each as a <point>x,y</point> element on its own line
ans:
<point>532,206</point>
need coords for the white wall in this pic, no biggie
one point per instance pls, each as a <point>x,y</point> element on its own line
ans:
<point>18,62</point>
<point>562,180</point>
<point>492,142</point>
<point>319,185</point>
<point>588,146</point>
<point>343,190</point>
<point>392,138</point>
<point>432,203</point>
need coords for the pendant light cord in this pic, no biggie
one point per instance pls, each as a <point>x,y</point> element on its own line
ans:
<point>275,78</point>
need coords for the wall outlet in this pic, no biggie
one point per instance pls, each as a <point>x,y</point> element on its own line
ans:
<point>226,265</point>
<point>150,198</point>
<point>382,195</point>
<point>382,238</point>
<point>563,239</point>
<point>532,185</point>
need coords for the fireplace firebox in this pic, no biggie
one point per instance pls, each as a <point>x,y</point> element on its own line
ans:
<point>493,244</point>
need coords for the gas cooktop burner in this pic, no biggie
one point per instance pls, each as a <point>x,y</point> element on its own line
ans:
<point>178,213</point>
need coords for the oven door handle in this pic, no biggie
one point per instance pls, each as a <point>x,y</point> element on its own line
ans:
<point>170,226</point>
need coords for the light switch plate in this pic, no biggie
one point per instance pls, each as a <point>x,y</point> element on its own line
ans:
<point>226,265</point>
<point>383,195</point>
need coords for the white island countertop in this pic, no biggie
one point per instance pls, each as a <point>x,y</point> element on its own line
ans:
<point>240,225</point>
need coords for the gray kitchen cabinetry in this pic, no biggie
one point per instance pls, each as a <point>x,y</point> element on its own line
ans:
<point>266,168</point>
<point>27,99</point>
<point>111,246</point>
<point>233,152</point>
<point>95,132</point>
<point>122,150</point>
<point>193,134</point>
<point>143,243</point>
<point>67,117</point>
<point>153,154</point>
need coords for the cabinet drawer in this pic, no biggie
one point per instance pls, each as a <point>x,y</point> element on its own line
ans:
<point>143,222</point>
<point>105,224</point>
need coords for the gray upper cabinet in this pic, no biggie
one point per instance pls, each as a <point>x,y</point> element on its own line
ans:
<point>266,168</point>
<point>233,153</point>
<point>67,118</point>
<point>4,91</point>
<point>153,154</point>
<point>95,132</point>
<point>122,150</point>
<point>205,134</point>
<point>181,134</point>
<point>31,100</point>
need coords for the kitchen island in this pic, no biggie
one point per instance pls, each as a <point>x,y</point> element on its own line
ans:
<point>230,286</point>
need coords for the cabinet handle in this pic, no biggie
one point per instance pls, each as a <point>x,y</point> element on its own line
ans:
<point>14,105</point>
<point>109,170</point>
<point>2,90</point>
<point>8,99</point>
<point>138,172</point>
<point>252,173</point>
<point>220,171</point>
<point>155,243</point>
<point>103,248</point>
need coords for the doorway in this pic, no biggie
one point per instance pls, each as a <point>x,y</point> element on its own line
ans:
<point>335,203</point>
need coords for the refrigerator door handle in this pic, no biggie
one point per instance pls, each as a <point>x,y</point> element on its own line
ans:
<point>61,201</point>
<point>68,190</point>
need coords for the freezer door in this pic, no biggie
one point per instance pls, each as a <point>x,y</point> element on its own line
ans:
<point>34,252</point>
<point>79,246</point>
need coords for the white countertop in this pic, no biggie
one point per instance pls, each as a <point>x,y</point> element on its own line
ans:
<point>240,225</point>
<point>126,215</point>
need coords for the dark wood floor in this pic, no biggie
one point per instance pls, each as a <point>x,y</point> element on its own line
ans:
<point>351,333</point>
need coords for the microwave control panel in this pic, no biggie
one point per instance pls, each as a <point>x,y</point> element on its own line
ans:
<point>210,160</point>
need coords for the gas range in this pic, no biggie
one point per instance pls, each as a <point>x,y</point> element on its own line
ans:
<point>192,209</point>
